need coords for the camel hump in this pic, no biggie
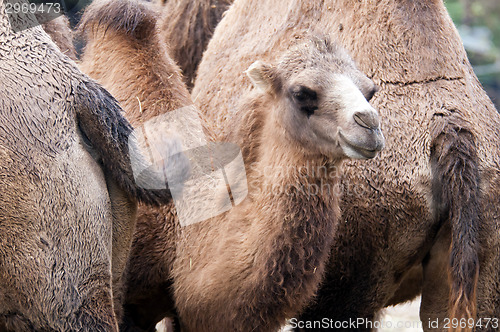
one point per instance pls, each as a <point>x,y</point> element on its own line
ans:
<point>457,187</point>
<point>110,135</point>
<point>132,18</point>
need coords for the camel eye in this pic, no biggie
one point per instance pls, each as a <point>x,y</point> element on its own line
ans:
<point>369,95</point>
<point>305,98</point>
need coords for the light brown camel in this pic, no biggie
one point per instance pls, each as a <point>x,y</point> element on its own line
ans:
<point>251,268</point>
<point>187,26</point>
<point>126,54</point>
<point>63,141</point>
<point>439,175</point>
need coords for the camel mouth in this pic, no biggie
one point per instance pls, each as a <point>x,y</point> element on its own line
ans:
<point>357,151</point>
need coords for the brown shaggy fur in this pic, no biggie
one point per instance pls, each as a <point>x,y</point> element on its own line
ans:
<point>62,140</point>
<point>442,167</point>
<point>59,30</point>
<point>125,53</point>
<point>254,266</point>
<point>187,26</point>
<point>126,34</point>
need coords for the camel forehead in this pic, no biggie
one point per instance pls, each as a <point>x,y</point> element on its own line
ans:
<point>314,63</point>
<point>315,54</point>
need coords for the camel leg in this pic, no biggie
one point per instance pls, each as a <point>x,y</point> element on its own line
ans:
<point>124,211</point>
<point>435,289</point>
<point>94,315</point>
<point>410,287</point>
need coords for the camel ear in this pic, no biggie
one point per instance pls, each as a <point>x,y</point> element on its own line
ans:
<point>261,75</point>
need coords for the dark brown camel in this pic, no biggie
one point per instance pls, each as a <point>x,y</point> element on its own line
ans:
<point>63,142</point>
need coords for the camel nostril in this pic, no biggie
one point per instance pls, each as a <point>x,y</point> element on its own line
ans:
<point>367,119</point>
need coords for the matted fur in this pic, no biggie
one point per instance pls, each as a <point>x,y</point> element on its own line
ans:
<point>391,217</point>
<point>62,35</point>
<point>457,186</point>
<point>187,26</point>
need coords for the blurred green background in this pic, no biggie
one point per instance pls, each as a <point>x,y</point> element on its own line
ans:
<point>478,22</point>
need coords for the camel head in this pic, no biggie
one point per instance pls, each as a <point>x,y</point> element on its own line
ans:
<point>318,100</point>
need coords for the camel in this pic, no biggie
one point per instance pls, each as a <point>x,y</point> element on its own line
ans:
<point>436,185</point>
<point>261,262</point>
<point>187,27</point>
<point>63,143</point>
<point>250,269</point>
<point>127,55</point>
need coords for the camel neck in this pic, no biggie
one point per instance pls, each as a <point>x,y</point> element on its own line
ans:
<point>305,189</point>
<point>293,210</point>
<point>293,217</point>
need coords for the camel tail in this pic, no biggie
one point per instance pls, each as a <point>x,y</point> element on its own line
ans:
<point>456,187</point>
<point>102,124</point>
